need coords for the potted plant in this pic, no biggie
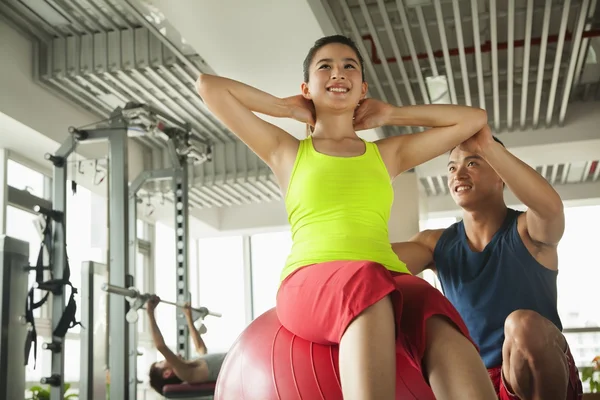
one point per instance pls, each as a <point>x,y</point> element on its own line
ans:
<point>591,375</point>
<point>40,393</point>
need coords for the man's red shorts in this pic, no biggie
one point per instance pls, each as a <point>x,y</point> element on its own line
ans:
<point>574,391</point>
<point>318,302</point>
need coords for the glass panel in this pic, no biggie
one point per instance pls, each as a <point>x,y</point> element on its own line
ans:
<point>221,270</point>
<point>578,255</point>
<point>19,224</point>
<point>269,253</point>
<point>23,178</point>
<point>72,360</point>
<point>584,347</point>
<point>164,256</point>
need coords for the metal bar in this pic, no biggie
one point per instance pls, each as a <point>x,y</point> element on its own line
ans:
<point>396,50</point>
<point>180,191</point>
<point>248,286</point>
<point>92,376</point>
<point>132,240</point>
<point>118,255</point>
<point>585,44</point>
<point>72,19</point>
<point>581,330</point>
<point>24,25</point>
<point>553,174</point>
<point>425,37</point>
<point>5,190</point>
<point>443,188</point>
<point>184,105</point>
<point>59,257</point>
<point>510,63</point>
<point>541,63</point>
<point>574,56</point>
<point>526,56</point>
<point>384,63</point>
<point>197,100</point>
<point>478,60</point>
<point>461,52</point>
<point>597,173</point>
<point>565,174</point>
<point>411,49</point>
<point>361,47</point>
<point>447,61</point>
<point>99,10</point>
<point>431,185</point>
<point>447,21</point>
<point>494,40</point>
<point>559,51</point>
<point>14,254</point>
<point>34,18</point>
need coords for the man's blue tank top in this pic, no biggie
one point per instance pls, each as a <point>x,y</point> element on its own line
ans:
<point>486,287</point>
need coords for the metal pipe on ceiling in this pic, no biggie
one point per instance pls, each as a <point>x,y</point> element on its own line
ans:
<point>510,63</point>
<point>107,17</point>
<point>554,174</point>
<point>89,18</point>
<point>117,12</point>
<point>568,83</point>
<point>483,16</point>
<point>494,40</point>
<point>585,44</point>
<point>477,49</point>
<point>526,57</point>
<point>559,51</point>
<point>374,78</point>
<point>596,171</point>
<point>413,52</point>
<point>396,50</point>
<point>224,136</point>
<point>76,27</point>
<point>461,46</point>
<point>184,105</point>
<point>363,50</point>
<point>565,173</point>
<point>386,67</point>
<point>541,62</point>
<point>442,29</point>
<point>425,37</point>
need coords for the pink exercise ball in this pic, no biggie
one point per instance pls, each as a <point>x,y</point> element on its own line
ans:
<point>268,362</point>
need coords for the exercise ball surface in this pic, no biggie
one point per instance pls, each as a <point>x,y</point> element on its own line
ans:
<point>267,362</point>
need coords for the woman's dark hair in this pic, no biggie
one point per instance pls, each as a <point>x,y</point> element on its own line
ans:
<point>157,381</point>
<point>324,41</point>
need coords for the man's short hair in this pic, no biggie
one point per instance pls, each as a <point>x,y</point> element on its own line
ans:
<point>495,139</point>
<point>158,382</point>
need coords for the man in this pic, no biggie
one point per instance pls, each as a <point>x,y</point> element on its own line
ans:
<point>498,267</point>
<point>173,369</point>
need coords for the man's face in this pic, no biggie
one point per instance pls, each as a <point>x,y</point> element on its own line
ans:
<point>471,180</point>
<point>166,369</point>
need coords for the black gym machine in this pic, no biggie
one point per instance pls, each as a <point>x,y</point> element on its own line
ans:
<point>131,120</point>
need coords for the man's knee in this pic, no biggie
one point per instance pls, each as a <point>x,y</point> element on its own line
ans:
<point>530,334</point>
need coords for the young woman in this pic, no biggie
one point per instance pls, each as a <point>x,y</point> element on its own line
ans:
<point>173,369</point>
<point>342,283</point>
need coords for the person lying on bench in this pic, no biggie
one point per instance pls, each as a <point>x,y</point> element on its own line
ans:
<point>173,369</point>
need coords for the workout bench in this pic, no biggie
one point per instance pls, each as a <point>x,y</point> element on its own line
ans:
<point>187,391</point>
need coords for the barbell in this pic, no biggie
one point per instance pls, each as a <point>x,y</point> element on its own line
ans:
<point>137,301</point>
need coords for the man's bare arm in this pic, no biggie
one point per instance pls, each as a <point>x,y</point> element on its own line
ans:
<point>417,253</point>
<point>198,341</point>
